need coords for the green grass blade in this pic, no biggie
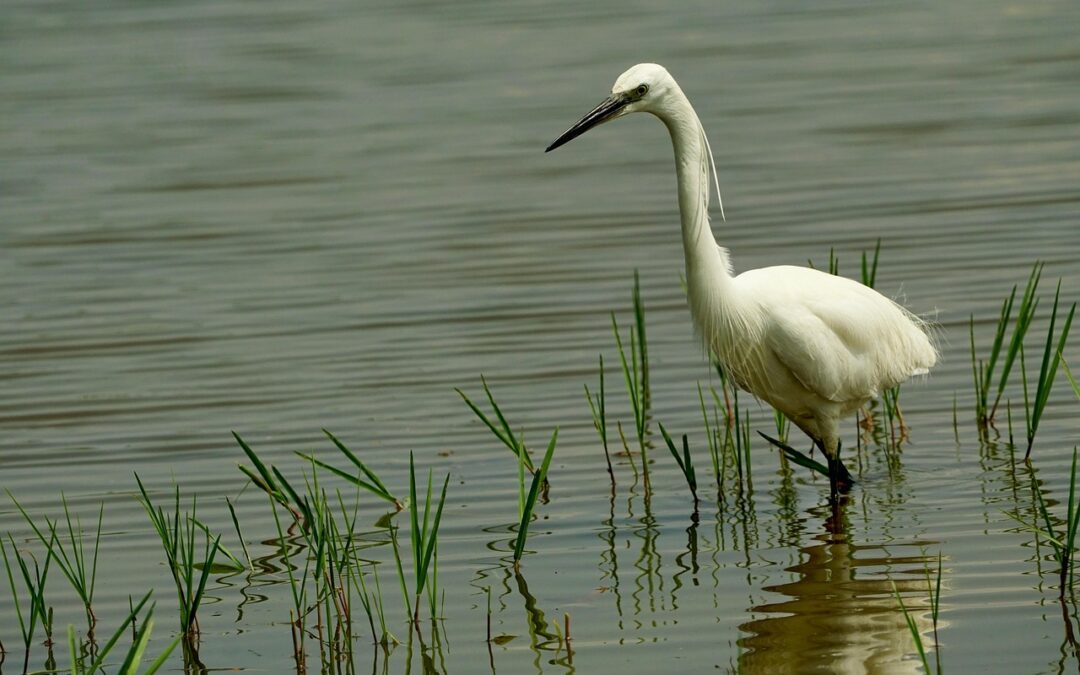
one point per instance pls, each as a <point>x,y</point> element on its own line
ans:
<point>530,501</point>
<point>1071,378</point>
<point>107,647</point>
<point>374,489</point>
<point>352,457</point>
<point>73,652</point>
<point>913,628</point>
<point>264,473</point>
<point>797,457</point>
<point>415,536</point>
<point>130,666</point>
<point>157,663</point>
<point>432,538</point>
<point>1048,369</point>
<point>674,452</point>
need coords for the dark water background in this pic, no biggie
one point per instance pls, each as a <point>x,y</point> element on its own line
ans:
<point>273,217</point>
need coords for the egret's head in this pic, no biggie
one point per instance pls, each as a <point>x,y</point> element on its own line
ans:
<point>640,89</point>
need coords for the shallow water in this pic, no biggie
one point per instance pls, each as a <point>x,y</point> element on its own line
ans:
<point>275,217</point>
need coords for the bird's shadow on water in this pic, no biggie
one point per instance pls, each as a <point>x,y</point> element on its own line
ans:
<point>839,613</point>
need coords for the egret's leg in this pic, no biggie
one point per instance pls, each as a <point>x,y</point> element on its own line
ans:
<point>840,480</point>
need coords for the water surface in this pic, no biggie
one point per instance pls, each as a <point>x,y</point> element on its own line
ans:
<point>275,217</point>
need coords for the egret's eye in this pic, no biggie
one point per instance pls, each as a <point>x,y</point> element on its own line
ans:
<point>642,90</point>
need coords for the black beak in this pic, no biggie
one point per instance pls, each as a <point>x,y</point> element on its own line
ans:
<point>607,110</point>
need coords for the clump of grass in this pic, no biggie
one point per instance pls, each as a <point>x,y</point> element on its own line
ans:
<point>712,437</point>
<point>728,438</point>
<point>890,401</point>
<point>34,583</point>
<point>636,373</point>
<point>424,536</point>
<point>370,481</point>
<point>502,430</point>
<point>685,462</point>
<point>189,567</point>
<point>984,372</point>
<point>77,564</point>
<point>783,425</point>
<point>1047,372</point>
<point>529,503</point>
<point>741,432</point>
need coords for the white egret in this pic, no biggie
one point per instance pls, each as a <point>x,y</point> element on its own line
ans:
<point>815,346</point>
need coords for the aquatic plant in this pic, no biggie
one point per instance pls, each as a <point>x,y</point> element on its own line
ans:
<point>635,371</point>
<point>134,655</point>
<point>423,534</point>
<point>71,557</point>
<point>985,371</point>
<point>685,462</point>
<point>370,481</point>
<point>598,410</point>
<point>728,439</point>
<point>271,481</point>
<point>189,568</point>
<point>502,431</point>
<point>868,271</point>
<point>529,503</point>
<point>34,582</point>
<point>1033,409</point>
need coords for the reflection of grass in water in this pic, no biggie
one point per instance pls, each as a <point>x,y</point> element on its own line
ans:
<point>1063,539</point>
<point>934,591</point>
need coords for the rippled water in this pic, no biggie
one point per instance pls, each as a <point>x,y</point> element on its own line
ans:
<point>275,217</point>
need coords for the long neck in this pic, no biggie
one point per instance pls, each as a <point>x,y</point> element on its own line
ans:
<point>703,256</point>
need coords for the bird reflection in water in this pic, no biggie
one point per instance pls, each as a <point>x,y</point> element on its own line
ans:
<point>840,615</point>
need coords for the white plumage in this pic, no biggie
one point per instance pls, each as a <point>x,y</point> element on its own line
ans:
<point>813,345</point>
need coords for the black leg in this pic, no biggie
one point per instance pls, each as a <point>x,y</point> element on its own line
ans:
<point>840,481</point>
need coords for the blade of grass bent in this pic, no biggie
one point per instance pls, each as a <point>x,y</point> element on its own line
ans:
<point>359,464</point>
